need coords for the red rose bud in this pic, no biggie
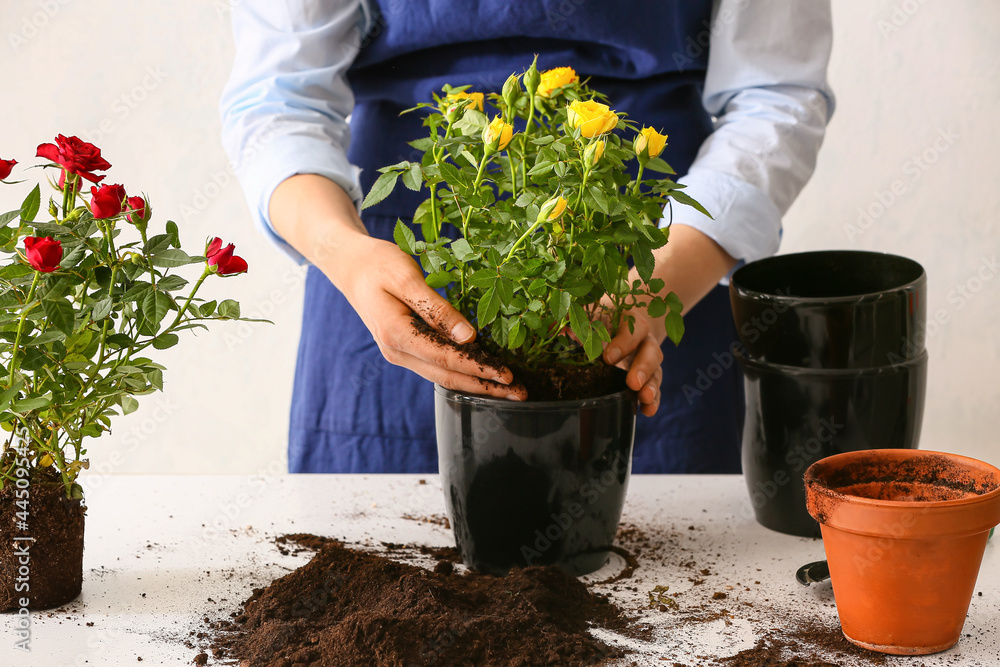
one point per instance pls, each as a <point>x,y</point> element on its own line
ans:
<point>77,185</point>
<point>76,157</point>
<point>138,213</point>
<point>223,259</point>
<point>44,253</point>
<point>5,168</point>
<point>107,201</point>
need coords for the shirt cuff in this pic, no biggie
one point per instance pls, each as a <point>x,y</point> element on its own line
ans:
<point>745,222</point>
<point>282,158</point>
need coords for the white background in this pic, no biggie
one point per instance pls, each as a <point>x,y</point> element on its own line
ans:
<point>918,88</point>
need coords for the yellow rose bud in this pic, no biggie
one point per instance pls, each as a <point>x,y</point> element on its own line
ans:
<point>531,77</point>
<point>497,134</point>
<point>556,78</point>
<point>651,141</point>
<point>593,118</point>
<point>552,209</point>
<point>477,100</point>
<point>594,152</point>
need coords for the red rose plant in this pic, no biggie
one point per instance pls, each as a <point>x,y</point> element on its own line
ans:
<point>85,298</point>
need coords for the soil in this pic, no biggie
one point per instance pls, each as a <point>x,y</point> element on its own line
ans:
<point>55,523</point>
<point>347,608</point>
<point>552,382</point>
<point>921,478</point>
<point>786,649</point>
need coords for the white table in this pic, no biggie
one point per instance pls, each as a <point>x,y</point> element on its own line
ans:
<point>164,552</point>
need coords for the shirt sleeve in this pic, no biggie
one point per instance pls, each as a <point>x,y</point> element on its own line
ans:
<point>767,89</point>
<point>285,107</point>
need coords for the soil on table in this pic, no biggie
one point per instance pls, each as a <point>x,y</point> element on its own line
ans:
<point>797,648</point>
<point>56,551</point>
<point>547,382</point>
<point>347,608</point>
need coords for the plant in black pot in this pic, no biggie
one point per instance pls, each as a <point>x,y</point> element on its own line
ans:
<point>531,234</point>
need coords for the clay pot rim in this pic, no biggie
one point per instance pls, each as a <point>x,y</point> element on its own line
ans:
<point>747,293</point>
<point>816,485</point>
<point>785,369</point>
<point>536,406</point>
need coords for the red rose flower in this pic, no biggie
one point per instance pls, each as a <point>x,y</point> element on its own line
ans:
<point>107,201</point>
<point>44,253</point>
<point>76,157</point>
<point>223,259</point>
<point>5,168</point>
<point>137,210</point>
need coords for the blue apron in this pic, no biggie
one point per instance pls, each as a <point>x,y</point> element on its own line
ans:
<point>352,411</point>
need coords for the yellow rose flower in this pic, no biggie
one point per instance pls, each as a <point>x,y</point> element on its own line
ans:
<point>593,118</point>
<point>477,99</point>
<point>556,78</point>
<point>651,140</point>
<point>498,134</point>
<point>558,209</point>
<point>594,152</point>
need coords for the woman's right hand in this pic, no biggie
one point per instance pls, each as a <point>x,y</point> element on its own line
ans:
<point>384,285</point>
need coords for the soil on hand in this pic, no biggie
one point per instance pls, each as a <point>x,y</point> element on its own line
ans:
<point>347,608</point>
<point>56,551</point>
<point>547,382</point>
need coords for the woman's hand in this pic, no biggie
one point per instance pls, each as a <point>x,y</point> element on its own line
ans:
<point>638,351</point>
<point>384,285</point>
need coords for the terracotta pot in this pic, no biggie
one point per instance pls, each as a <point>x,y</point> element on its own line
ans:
<point>904,533</point>
<point>534,483</point>
<point>41,555</point>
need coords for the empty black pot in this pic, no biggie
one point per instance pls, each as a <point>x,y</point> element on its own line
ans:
<point>534,483</point>
<point>831,309</point>
<point>797,416</point>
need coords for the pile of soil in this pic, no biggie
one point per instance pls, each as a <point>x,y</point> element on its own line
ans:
<point>546,382</point>
<point>797,648</point>
<point>347,607</point>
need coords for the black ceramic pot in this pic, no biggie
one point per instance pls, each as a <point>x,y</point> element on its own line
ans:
<point>797,416</point>
<point>534,483</point>
<point>831,309</point>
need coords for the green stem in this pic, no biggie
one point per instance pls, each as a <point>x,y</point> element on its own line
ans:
<point>517,244</point>
<point>187,303</point>
<point>475,189</point>
<point>638,177</point>
<point>69,183</point>
<point>20,327</point>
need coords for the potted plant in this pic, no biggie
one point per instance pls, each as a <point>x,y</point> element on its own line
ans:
<point>85,297</point>
<point>904,533</point>
<point>531,234</point>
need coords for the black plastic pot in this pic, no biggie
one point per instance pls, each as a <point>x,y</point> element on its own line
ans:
<point>831,309</point>
<point>534,483</point>
<point>797,416</point>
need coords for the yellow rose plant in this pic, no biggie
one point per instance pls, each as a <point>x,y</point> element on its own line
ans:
<point>533,219</point>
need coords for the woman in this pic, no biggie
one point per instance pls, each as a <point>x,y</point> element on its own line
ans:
<point>303,66</point>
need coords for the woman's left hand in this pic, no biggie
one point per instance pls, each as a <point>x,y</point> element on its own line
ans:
<point>638,351</point>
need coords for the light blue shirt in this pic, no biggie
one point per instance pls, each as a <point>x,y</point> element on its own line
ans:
<point>285,109</point>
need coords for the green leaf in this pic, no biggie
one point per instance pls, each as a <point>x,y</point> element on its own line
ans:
<point>170,283</point>
<point>656,308</point>
<point>155,376</point>
<point>119,340</point>
<point>101,309</point>
<point>674,302</point>
<point>229,309</point>
<point>412,178</point>
<point>540,168</point>
<point>29,208</point>
<point>592,347</point>
<point>157,244</point>
<point>656,285</point>
<point>129,404</point>
<point>675,327</point>
<point>660,165</point>
<point>592,254</point>
<point>29,404</point>
<point>8,216</point>
<point>579,322</point>
<point>600,198</point>
<point>462,250</point>
<point>381,189</point>
<point>515,337</point>
<point>136,291</point>
<point>7,396</point>
<point>173,257</point>
<point>440,279</point>
<point>155,306</point>
<point>489,306</point>
<point>207,308</point>
<point>175,235</point>
<point>560,304</point>
<point>404,237</point>
<point>164,341</point>
<point>524,199</point>
<point>683,198</point>
<point>60,314</point>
